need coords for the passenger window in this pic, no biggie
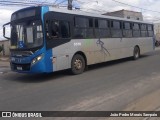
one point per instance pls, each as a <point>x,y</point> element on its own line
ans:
<point>150,30</point>
<point>55,29</point>
<point>127,29</point>
<point>102,28</point>
<point>150,27</point>
<point>83,28</point>
<point>116,30</point>
<point>116,25</point>
<point>65,29</point>
<point>90,22</point>
<point>136,30</point>
<point>96,23</point>
<point>144,32</point>
<point>127,26</point>
<point>135,26</point>
<point>59,29</point>
<point>103,24</point>
<point>81,22</point>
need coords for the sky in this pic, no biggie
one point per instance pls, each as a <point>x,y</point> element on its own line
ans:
<point>152,14</point>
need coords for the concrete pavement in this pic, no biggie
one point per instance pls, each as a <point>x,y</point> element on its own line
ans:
<point>112,86</point>
<point>4,65</point>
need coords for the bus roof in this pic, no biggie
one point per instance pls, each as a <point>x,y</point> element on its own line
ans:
<point>79,12</point>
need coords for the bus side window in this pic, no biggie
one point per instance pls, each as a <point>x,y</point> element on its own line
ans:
<point>127,29</point>
<point>54,29</point>
<point>136,30</point>
<point>150,30</point>
<point>65,30</point>
<point>144,32</point>
<point>57,29</point>
<point>116,29</point>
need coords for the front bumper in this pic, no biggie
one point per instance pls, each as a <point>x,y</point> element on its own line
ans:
<point>39,67</point>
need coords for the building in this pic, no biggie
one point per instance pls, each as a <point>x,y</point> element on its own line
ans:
<point>126,14</point>
<point>157,31</point>
<point>5,45</point>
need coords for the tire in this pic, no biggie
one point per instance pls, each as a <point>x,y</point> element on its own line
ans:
<point>77,64</point>
<point>136,53</point>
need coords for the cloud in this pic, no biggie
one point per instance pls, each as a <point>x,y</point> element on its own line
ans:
<point>108,5</point>
<point>5,17</point>
<point>5,13</point>
<point>111,5</point>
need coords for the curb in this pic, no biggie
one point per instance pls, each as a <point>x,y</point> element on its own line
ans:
<point>157,48</point>
<point>4,59</point>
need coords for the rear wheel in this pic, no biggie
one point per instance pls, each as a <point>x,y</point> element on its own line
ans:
<point>136,53</point>
<point>77,64</point>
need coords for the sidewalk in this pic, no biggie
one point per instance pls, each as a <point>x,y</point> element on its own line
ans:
<point>157,48</point>
<point>4,65</point>
<point>4,61</point>
<point>4,58</point>
<point>152,118</point>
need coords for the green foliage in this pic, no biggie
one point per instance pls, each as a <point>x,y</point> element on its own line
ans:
<point>1,49</point>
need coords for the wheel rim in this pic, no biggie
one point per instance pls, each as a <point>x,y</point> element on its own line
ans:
<point>78,64</point>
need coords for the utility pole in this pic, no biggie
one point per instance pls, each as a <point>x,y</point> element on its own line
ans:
<point>70,4</point>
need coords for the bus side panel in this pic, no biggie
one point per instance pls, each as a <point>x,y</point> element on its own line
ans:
<point>61,56</point>
<point>146,45</point>
<point>111,48</point>
<point>107,50</point>
<point>65,52</point>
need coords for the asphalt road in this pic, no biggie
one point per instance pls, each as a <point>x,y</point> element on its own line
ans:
<point>113,86</point>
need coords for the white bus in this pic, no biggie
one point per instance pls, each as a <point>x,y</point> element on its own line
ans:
<point>50,39</point>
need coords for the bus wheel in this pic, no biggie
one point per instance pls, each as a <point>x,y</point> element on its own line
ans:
<point>136,53</point>
<point>77,64</point>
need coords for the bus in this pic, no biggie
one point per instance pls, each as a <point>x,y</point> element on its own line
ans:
<point>46,39</point>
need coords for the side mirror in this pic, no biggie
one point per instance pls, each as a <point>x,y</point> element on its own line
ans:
<point>6,30</point>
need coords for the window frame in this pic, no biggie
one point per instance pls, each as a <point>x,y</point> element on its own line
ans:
<point>60,31</point>
<point>152,30</point>
<point>136,30</point>
<point>84,29</point>
<point>143,28</point>
<point>98,29</point>
<point>127,29</point>
<point>113,29</point>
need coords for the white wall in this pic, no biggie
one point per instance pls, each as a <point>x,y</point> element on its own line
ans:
<point>6,44</point>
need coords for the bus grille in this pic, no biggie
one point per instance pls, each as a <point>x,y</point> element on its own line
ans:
<point>23,67</point>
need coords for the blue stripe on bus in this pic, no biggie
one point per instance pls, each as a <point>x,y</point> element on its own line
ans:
<point>48,53</point>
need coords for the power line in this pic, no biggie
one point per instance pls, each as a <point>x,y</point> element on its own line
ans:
<point>55,1</point>
<point>61,2</point>
<point>97,9</point>
<point>136,6</point>
<point>27,3</point>
<point>37,3</point>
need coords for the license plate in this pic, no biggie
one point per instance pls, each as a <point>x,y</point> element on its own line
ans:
<point>19,68</point>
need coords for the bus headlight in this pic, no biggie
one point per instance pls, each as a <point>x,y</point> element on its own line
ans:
<point>35,60</point>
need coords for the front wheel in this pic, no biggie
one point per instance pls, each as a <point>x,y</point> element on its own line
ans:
<point>77,64</point>
<point>136,53</point>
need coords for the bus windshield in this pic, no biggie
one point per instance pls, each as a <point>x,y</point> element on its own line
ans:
<point>26,35</point>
